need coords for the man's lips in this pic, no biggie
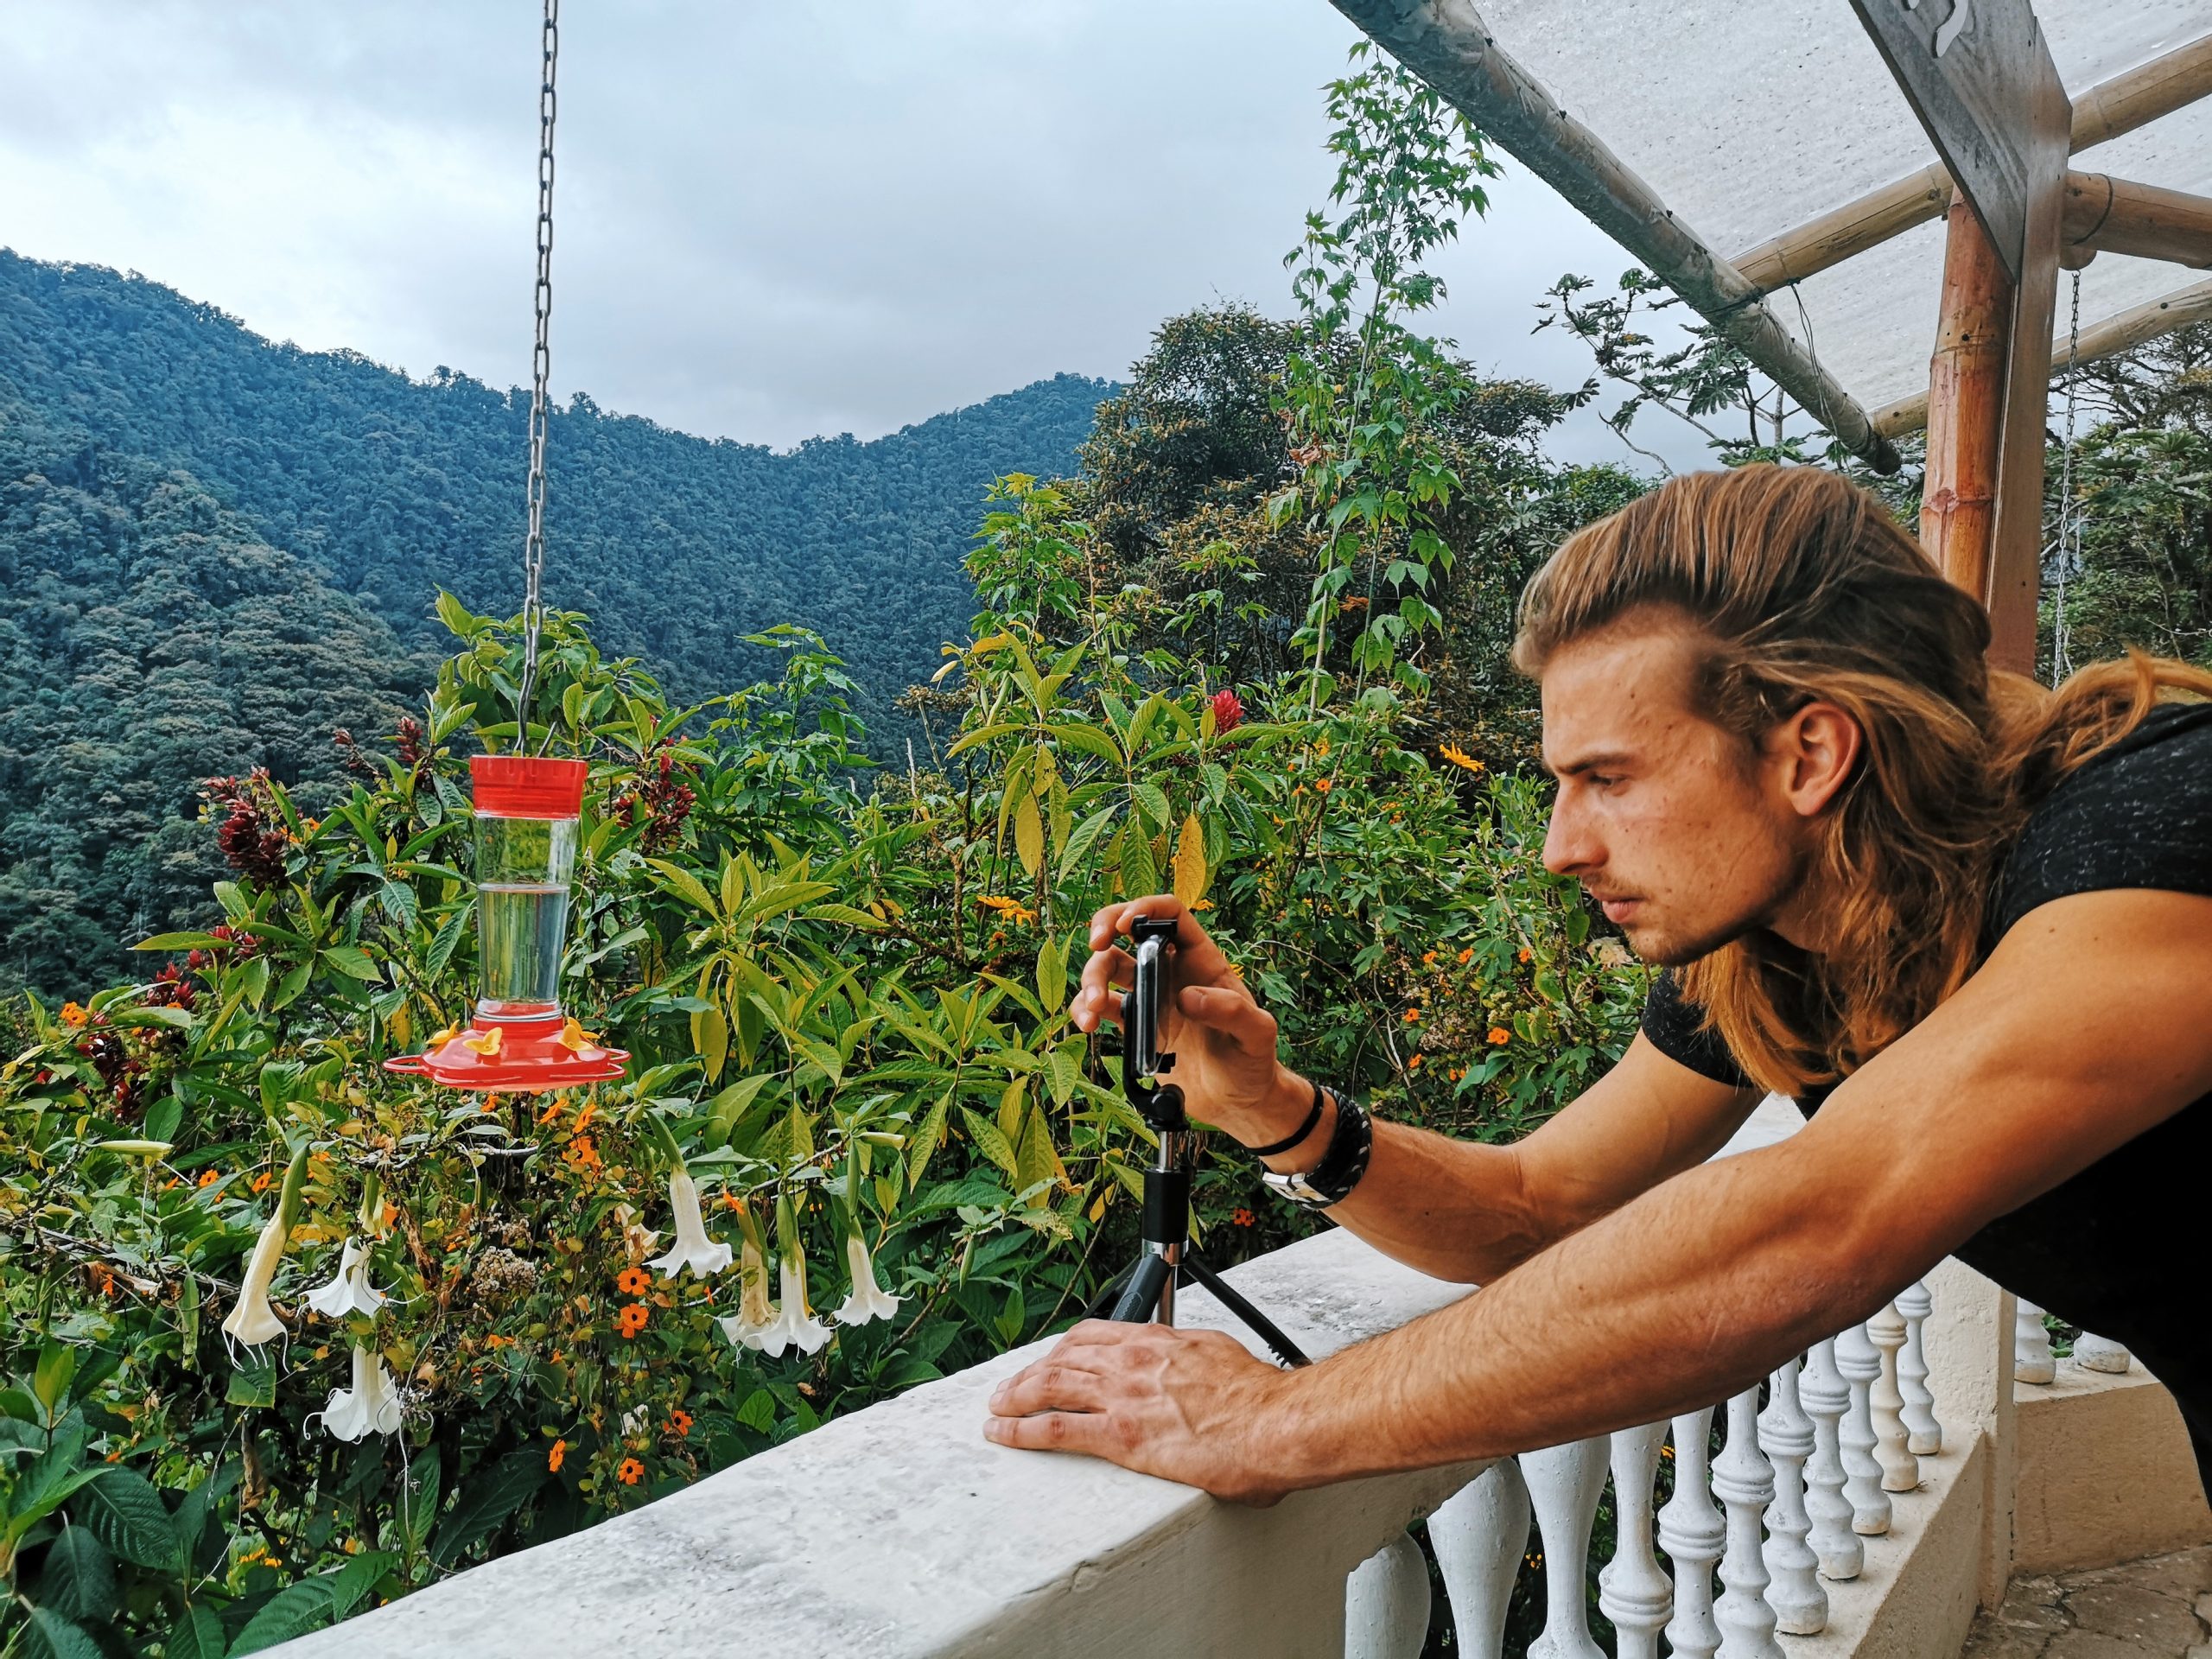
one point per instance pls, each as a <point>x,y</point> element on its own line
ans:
<point>1617,910</point>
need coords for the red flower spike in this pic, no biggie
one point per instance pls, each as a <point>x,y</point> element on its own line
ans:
<point>1228,712</point>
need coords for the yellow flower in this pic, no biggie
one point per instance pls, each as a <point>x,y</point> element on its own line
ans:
<point>1459,758</point>
<point>576,1038</point>
<point>1197,905</point>
<point>1012,908</point>
<point>489,1044</point>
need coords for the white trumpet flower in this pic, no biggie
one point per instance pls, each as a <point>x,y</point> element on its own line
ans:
<point>692,1248</point>
<point>791,1323</point>
<point>253,1322</point>
<point>349,1290</point>
<point>370,1406</point>
<point>754,1311</point>
<point>869,1300</point>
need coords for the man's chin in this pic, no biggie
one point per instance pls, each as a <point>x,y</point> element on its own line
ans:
<point>1661,946</point>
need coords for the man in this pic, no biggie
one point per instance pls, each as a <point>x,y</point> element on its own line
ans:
<point>1967,920</point>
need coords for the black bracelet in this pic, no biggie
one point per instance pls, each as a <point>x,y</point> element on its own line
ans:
<point>1281,1147</point>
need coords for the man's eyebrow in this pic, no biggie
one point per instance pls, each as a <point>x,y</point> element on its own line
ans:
<point>1607,760</point>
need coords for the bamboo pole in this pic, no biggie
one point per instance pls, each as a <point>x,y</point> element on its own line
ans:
<point>2105,110</point>
<point>1966,399</point>
<point>1448,45</point>
<point>2109,215</point>
<point>2121,332</point>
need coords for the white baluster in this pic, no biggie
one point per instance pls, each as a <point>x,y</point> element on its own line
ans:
<point>2032,1360</point>
<point>1886,1403</point>
<point>1385,1603</point>
<point>1744,1482</point>
<point>1632,1590</point>
<point>1923,1435</point>
<point>1827,1396</point>
<point>1855,1356</point>
<point>1801,1607</point>
<point>1480,1533</point>
<point>2101,1354</point>
<point>1565,1483</point>
<point>1691,1533</point>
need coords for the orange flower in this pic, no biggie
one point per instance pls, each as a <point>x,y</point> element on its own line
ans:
<point>551,1112</point>
<point>631,1472</point>
<point>1413,1065</point>
<point>1459,758</point>
<point>209,1177</point>
<point>632,1319</point>
<point>73,1016</point>
<point>1467,956</point>
<point>1322,785</point>
<point>1526,953</point>
<point>679,1421</point>
<point>261,1181</point>
<point>590,1111</point>
<point>580,1153</point>
<point>1499,1036</point>
<point>1413,1016</point>
<point>1428,959</point>
<point>1241,1217</point>
<point>633,1281</point>
<point>553,1459</point>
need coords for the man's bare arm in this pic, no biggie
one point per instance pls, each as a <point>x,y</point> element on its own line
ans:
<point>2091,1023</point>
<point>1468,1212</point>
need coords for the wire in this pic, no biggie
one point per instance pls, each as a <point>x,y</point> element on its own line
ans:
<point>541,368</point>
<point>2069,512</point>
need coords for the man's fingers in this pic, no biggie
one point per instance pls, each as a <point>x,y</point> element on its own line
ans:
<point>1097,999</point>
<point>1200,960</point>
<point>1230,1013</point>
<point>1051,1431</point>
<point>1047,1386</point>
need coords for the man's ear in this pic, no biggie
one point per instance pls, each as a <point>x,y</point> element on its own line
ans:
<point>1815,751</point>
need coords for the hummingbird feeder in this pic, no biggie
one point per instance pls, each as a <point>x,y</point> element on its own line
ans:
<point>527,814</point>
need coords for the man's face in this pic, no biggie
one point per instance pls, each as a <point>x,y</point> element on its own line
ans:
<point>1685,836</point>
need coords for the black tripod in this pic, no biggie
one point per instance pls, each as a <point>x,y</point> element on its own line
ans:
<point>1144,1290</point>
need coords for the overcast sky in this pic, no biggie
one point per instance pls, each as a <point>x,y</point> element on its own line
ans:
<point>774,220</point>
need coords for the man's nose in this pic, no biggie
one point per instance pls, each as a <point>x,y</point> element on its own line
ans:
<point>1568,848</point>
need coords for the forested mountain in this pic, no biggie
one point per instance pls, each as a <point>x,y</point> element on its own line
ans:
<point>216,551</point>
<point>676,546</point>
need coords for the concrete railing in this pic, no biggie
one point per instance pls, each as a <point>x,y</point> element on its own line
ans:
<point>1838,1512</point>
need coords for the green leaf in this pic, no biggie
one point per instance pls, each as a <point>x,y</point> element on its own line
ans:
<point>253,1382</point>
<point>419,1498</point>
<point>182,942</point>
<point>78,1580</point>
<point>197,1635</point>
<point>491,1494</point>
<point>759,1411</point>
<point>47,1635</point>
<point>354,962</point>
<point>1153,799</point>
<point>126,1513</point>
<point>312,1602</point>
<point>57,1363</point>
<point>926,1140</point>
<point>989,1141</point>
<point>1051,975</point>
<point>449,935</point>
<point>686,886</point>
<point>1085,837</point>
<point>1035,1159</point>
<point>1065,1063</point>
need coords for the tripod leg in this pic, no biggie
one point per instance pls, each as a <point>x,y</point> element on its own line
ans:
<point>1101,1306</point>
<point>1140,1302</point>
<point>1258,1322</point>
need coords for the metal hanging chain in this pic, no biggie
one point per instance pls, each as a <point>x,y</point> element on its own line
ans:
<point>541,366</point>
<point>2070,512</point>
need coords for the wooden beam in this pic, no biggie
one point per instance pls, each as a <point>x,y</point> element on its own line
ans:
<point>1966,396</point>
<point>2109,215</point>
<point>2105,110</point>
<point>2122,332</point>
<point>1447,44</point>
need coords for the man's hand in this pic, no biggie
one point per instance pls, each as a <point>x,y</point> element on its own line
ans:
<point>1223,1041</point>
<point>1190,1406</point>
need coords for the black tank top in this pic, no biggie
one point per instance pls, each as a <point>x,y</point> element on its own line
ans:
<point>2110,1248</point>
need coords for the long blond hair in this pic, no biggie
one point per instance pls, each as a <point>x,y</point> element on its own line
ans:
<point>1807,591</point>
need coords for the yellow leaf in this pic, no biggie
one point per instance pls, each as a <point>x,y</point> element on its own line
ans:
<point>1191,860</point>
<point>1036,1159</point>
<point>1029,834</point>
<point>710,1036</point>
<point>1010,1109</point>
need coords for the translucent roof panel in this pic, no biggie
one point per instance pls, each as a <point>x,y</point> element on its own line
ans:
<point>1750,120</point>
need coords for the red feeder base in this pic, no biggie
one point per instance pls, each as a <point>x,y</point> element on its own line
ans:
<point>530,1056</point>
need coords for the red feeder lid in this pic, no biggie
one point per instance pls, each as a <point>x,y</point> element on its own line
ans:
<point>525,1057</point>
<point>527,786</point>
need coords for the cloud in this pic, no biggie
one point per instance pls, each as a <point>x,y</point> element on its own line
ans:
<point>773,221</point>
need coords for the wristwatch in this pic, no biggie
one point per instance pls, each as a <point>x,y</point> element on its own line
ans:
<point>1351,1141</point>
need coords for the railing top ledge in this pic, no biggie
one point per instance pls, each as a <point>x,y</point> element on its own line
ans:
<point>900,1531</point>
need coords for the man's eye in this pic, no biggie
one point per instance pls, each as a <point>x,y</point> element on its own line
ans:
<point>1601,780</point>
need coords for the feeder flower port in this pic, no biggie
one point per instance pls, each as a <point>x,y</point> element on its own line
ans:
<point>370,1406</point>
<point>527,812</point>
<point>349,1290</point>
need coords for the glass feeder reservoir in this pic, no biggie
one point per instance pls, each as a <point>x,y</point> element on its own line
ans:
<point>527,814</point>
